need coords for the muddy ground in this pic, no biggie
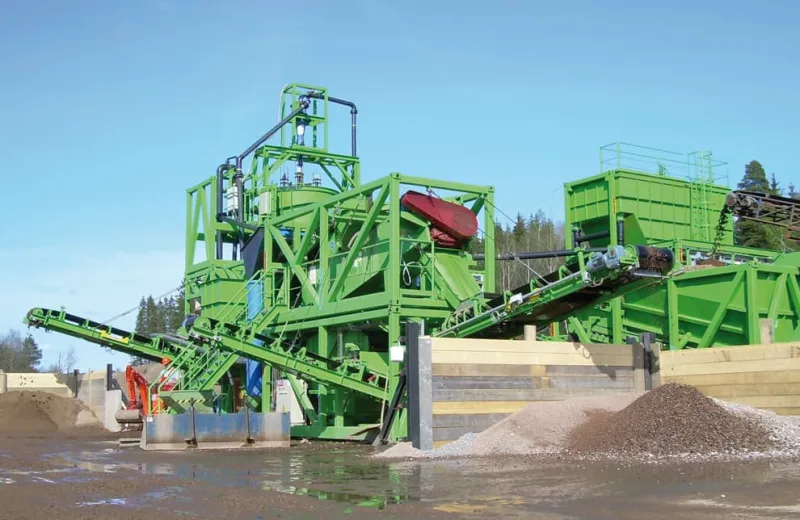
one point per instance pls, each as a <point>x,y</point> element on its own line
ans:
<point>58,476</point>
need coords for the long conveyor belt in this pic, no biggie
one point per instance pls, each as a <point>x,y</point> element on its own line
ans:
<point>605,276</point>
<point>155,349</point>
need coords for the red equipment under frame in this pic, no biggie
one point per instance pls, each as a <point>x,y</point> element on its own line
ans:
<point>134,380</point>
<point>451,224</point>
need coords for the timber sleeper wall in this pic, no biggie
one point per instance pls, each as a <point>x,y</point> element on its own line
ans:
<point>762,376</point>
<point>475,382</point>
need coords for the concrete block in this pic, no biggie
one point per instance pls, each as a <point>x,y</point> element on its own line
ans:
<point>112,401</point>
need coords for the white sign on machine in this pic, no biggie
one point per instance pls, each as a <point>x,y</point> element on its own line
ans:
<point>286,401</point>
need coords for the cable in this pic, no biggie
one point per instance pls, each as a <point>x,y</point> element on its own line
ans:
<point>118,316</point>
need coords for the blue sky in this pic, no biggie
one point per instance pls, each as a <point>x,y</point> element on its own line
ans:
<point>110,110</point>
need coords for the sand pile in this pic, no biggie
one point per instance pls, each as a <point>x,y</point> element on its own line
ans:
<point>40,412</point>
<point>673,419</point>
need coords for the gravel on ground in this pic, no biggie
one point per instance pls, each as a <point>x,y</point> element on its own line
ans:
<point>672,421</point>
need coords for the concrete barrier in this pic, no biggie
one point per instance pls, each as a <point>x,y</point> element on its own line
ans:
<point>3,382</point>
<point>216,431</point>
<point>34,382</point>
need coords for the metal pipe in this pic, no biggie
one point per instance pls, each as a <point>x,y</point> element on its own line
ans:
<point>220,198</point>
<point>238,177</point>
<point>578,238</point>
<point>272,131</point>
<point>353,116</point>
<point>235,222</point>
<point>533,255</point>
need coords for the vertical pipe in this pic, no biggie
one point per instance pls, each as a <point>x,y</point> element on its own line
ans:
<point>645,338</point>
<point>353,115</point>
<point>248,439</point>
<point>239,180</point>
<point>220,202</point>
<point>193,440</point>
<point>109,377</point>
<point>489,282</point>
<point>412,360</point>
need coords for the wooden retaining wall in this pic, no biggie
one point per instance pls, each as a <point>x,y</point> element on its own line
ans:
<point>762,376</point>
<point>475,383</point>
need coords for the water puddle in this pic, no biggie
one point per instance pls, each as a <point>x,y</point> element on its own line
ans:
<point>340,475</point>
<point>105,502</point>
<point>174,493</point>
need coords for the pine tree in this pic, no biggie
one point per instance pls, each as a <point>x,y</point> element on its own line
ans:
<point>141,316</point>
<point>774,185</point>
<point>151,317</point>
<point>755,178</point>
<point>31,354</point>
<point>791,192</point>
<point>747,232</point>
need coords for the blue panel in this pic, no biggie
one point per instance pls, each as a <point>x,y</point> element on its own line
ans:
<point>255,303</point>
<point>255,298</point>
<point>254,372</point>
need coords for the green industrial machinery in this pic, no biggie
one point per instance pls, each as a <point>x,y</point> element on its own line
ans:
<point>719,294</point>
<point>310,277</point>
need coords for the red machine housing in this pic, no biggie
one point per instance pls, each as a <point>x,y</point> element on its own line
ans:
<point>451,224</point>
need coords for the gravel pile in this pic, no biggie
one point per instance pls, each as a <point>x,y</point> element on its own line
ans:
<point>541,428</point>
<point>783,431</point>
<point>673,419</point>
<point>41,412</point>
<point>538,429</point>
<point>672,422</point>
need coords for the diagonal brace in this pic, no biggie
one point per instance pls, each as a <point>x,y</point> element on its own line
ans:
<point>361,239</point>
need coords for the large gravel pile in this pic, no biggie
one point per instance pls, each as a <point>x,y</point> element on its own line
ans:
<point>41,412</point>
<point>539,428</point>
<point>673,419</point>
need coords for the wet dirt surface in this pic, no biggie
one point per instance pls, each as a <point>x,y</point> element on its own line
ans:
<point>71,478</point>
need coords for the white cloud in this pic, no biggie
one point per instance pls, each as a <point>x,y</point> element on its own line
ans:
<point>96,284</point>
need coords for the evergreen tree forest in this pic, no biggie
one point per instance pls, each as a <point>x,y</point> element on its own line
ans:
<point>537,232</point>
<point>159,316</point>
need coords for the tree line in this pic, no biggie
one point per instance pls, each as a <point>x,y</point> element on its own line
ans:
<point>23,354</point>
<point>159,316</point>
<point>18,353</point>
<point>536,232</point>
<point>755,234</point>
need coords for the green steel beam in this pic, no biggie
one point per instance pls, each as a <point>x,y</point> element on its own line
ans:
<point>226,336</point>
<point>154,349</point>
<point>362,235</point>
<point>308,292</point>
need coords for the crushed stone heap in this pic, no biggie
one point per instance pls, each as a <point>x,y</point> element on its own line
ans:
<point>673,419</point>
